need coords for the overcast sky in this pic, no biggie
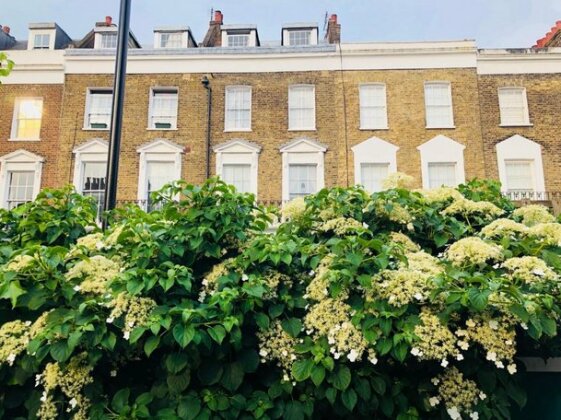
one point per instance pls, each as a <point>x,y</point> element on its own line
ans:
<point>492,23</point>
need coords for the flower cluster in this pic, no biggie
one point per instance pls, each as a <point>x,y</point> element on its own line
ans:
<point>318,288</point>
<point>71,380</point>
<point>548,233</point>
<point>422,262</point>
<point>467,208</point>
<point>326,315</point>
<point>460,395</point>
<point>496,336</point>
<point>210,282</point>
<point>442,195</point>
<point>276,345</point>
<point>39,325</point>
<point>293,209</point>
<point>19,263</point>
<point>113,237</point>
<point>530,270</point>
<point>95,273</point>
<point>434,340</point>
<point>91,242</point>
<point>14,337</point>
<point>502,228</point>
<point>473,250</point>
<point>398,180</point>
<point>401,287</point>
<point>342,226</point>
<point>394,212</point>
<point>137,311</point>
<point>345,338</point>
<point>404,240</point>
<point>533,214</point>
<point>273,279</point>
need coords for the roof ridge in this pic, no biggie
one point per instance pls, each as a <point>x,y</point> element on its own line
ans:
<point>544,42</point>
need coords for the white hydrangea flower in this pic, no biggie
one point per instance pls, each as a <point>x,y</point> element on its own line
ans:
<point>11,359</point>
<point>415,351</point>
<point>454,413</point>
<point>73,403</point>
<point>77,288</point>
<point>373,360</point>
<point>459,357</point>
<point>110,320</point>
<point>353,355</point>
<point>444,363</point>
<point>434,401</point>
<point>435,381</point>
<point>491,356</point>
<point>263,353</point>
<point>493,324</point>
<point>482,395</point>
<point>474,415</point>
<point>126,335</point>
<point>511,368</point>
<point>245,277</point>
<point>500,364</point>
<point>113,373</point>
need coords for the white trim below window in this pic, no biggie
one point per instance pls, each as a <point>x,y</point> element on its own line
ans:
<point>239,152</point>
<point>302,152</point>
<point>374,151</point>
<point>20,161</point>
<point>518,148</point>
<point>444,150</point>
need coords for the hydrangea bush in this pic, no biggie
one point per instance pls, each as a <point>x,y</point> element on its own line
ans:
<point>401,304</point>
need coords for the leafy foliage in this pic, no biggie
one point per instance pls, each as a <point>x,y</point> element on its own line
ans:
<point>194,311</point>
<point>6,65</point>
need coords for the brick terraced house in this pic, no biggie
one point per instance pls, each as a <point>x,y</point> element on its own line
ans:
<point>286,118</point>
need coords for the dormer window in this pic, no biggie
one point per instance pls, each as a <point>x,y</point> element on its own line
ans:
<point>238,40</point>
<point>298,34</point>
<point>108,40</point>
<point>42,42</point>
<point>171,40</point>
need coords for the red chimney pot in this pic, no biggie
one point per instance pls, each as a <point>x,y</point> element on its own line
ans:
<point>218,17</point>
<point>108,20</point>
<point>333,18</point>
<point>6,29</point>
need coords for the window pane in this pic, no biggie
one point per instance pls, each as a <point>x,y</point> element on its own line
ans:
<point>299,37</point>
<point>158,174</point>
<point>302,180</point>
<point>512,103</point>
<point>239,40</point>
<point>301,108</point>
<point>171,40</point>
<point>519,175</point>
<point>164,109</point>
<point>41,41</point>
<point>93,182</point>
<point>372,175</point>
<point>373,111</point>
<point>438,101</point>
<point>99,113</point>
<point>28,120</point>
<point>20,188</point>
<point>442,174</point>
<point>237,175</point>
<point>109,40</point>
<point>238,108</point>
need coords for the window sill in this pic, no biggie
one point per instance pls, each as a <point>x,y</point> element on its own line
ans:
<point>161,129</point>
<point>448,127</point>
<point>24,139</point>
<point>302,129</point>
<point>94,129</point>
<point>373,128</point>
<point>238,130</point>
<point>515,125</point>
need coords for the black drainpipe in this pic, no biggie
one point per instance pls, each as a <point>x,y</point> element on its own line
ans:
<point>206,84</point>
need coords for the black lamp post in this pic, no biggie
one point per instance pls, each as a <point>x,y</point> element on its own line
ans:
<point>117,109</point>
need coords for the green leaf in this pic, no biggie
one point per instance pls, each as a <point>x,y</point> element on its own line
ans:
<point>294,410</point>
<point>151,344</point>
<point>175,362</point>
<point>400,351</point>
<point>441,238</point>
<point>249,360</point>
<point>233,376</point>
<point>60,351</point>
<point>144,399</point>
<point>120,400</point>
<point>292,326</point>
<point>210,372</point>
<point>318,375</point>
<point>349,398</point>
<point>302,369</point>
<point>378,385</point>
<point>479,299</point>
<point>217,333</point>
<point>136,334</point>
<point>276,310</point>
<point>183,334</point>
<point>520,312</point>
<point>549,326</point>
<point>189,407</point>
<point>384,346</point>
<point>341,379</point>
<point>178,383</point>
<point>331,395</point>
<point>12,292</point>
<point>262,321</point>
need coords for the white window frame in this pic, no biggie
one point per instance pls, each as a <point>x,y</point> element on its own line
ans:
<point>228,125</point>
<point>374,150</point>
<point>94,151</point>
<point>20,160</point>
<point>239,152</point>
<point>287,30</point>
<point>159,150</point>
<point>302,151</point>
<point>250,33</point>
<point>152,93</point>
<point>524,98</point>
<point>291,90</point>
<point>520,148</point>
<point>15,119</point>
<point>105,35</point>
<point>442,149</point>
<point>89,92</point>
<point>159,39</point>
<point>450,123</point>
<point>367,125</point>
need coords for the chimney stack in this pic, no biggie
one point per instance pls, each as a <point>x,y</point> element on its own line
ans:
<point>213,37</point>
<point>333,33</point>
<point>108,20</point>
<point>6,30</point>
<point>218,17</point>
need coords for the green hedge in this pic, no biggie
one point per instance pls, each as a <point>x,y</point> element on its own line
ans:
<point>399,304</point>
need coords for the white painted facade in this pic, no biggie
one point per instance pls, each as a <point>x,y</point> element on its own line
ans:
<point>374,150</point>
<point>239,152</point>
<point>518,148</point>
<point>442,149</point>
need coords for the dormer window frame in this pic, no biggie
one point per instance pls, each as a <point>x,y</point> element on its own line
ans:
<point>34,33</point>
<point>250,33</point>
<point>159,33</point>
<point>289,29</point>
<point>102,33</point>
